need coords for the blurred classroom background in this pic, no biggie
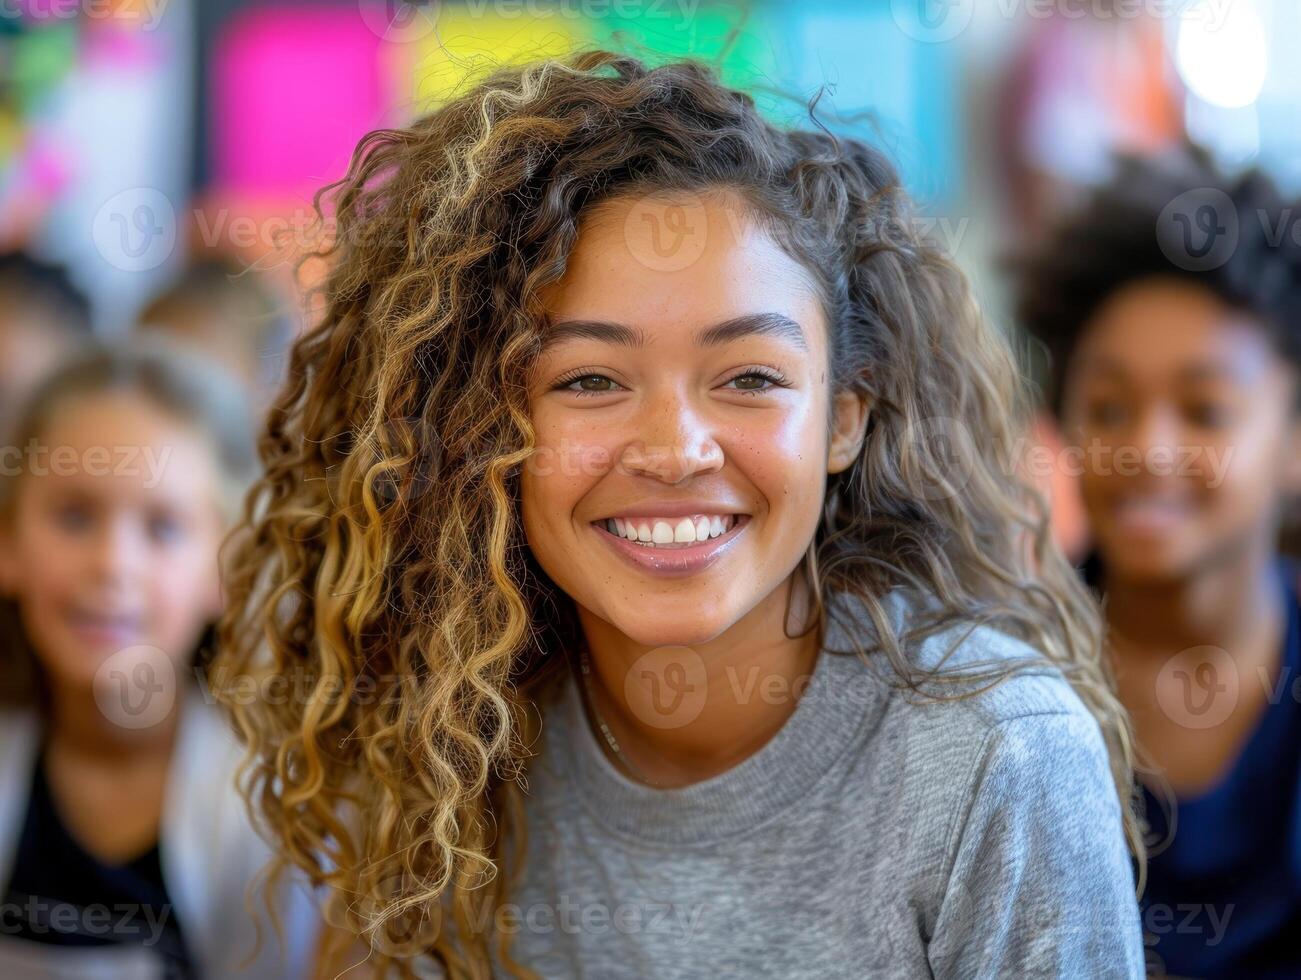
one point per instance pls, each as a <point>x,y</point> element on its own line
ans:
<point>158,165</point>
<point>164,153</point>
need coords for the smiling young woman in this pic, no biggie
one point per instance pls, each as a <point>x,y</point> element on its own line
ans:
<point>659,614</point>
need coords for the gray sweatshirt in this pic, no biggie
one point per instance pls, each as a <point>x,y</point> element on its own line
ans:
<point>871,836</point>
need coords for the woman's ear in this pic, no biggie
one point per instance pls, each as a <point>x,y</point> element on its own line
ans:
<point>849,425</point>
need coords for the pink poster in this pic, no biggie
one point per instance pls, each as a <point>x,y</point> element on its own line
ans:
<point>293,89</point>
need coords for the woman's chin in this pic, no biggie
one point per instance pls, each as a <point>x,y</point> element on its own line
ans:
<point>1164,562</point>
<point>653,629</point>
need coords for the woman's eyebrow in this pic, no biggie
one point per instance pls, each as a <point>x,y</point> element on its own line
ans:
<point>776,325</point>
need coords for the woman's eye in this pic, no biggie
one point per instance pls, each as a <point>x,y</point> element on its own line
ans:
<point>164,529</point>
<point>73,518</point>
<point>1106,413</point>
<point>753,381</point>
<point>1208,415</point>
<point>589,384</point>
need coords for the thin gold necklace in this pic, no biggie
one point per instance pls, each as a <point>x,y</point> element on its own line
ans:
<point>585,665</point>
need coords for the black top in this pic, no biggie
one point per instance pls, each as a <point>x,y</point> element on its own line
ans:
<point>60,894</point>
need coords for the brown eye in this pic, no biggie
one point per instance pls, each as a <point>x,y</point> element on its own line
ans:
<point>597,382</point>
<point>74,517</point>
<point>587,384</point>
<point>1208,414</point>
<point>1106,413</point>
<point>758,382</point>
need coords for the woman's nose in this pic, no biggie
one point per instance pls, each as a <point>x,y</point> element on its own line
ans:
<point>674,444</point>
<point>1155,428</point>
<point>118,553</point>
<point>1155,437</point>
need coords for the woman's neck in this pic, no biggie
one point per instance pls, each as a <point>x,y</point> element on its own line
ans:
<point>77,726</point>
<point>684,714</point>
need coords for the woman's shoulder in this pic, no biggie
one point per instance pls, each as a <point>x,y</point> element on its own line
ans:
<point>1004,706</point>
<point>969,675</point>
<point>1003,677</point>
<point>995,706</point>
<point>976,776</point>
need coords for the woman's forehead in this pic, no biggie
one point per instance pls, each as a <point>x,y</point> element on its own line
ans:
<point>1176,330</point>
<point>657,271</point>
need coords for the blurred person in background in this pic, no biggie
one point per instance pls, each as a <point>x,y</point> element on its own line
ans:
<point>1170,305</point>
<point>43,318</point>
<point>124,845</point>
<point>233,316</point>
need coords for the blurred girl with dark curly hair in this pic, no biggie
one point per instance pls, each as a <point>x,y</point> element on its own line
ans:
<point>641,532</point>
<point>1171,306</point>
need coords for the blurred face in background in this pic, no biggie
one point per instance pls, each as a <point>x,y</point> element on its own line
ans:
<point>111,539</point>
<point>1185,413</point>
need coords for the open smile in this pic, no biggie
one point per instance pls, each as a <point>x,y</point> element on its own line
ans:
<point>672,546</point>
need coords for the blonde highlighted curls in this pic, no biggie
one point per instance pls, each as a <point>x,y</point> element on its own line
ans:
<point>381,566</point>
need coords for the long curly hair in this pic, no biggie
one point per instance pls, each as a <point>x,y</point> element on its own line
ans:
<point>381,563</point>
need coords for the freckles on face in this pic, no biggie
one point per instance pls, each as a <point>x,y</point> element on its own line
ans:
<point>685,390</point>
<point>1182,408</point>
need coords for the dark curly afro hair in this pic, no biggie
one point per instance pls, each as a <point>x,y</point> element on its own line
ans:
<point>1167,216</point>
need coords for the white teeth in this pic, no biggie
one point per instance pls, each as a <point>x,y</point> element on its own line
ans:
<point>671,531</point>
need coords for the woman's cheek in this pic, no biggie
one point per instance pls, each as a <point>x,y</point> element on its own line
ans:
<point>781,448</point>
<point>1242,465</point>
<point>562,468</point>
<point>181,600</point>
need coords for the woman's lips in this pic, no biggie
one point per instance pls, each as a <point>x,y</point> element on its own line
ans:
<point>672,561</point>
<point>105,630</point>
<point>1150,515</point>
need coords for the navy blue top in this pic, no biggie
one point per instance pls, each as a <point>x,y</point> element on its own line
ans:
<point>1223,897</point>
<point>60,894</point>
